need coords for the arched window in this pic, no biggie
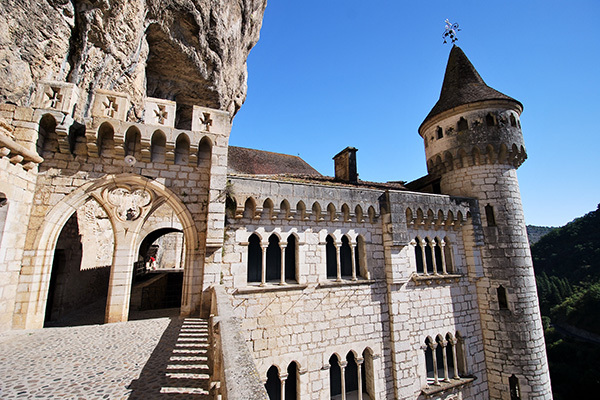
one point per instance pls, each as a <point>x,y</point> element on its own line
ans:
<point>273,259</point>
<point>290,258</point>
<point>291,383</point>
<point>301,211</point>
<point>335,376</point>
<point>440,132</point>
<point>158,146</point>
<point>249,208</point>
<point>429,256</point>
<point>448,257</point>
<point>419,256</point>
<point>284,209</point>
<point>490,120</point>
<point>462,125</point>
<point>182,149</point>
<point>502,299</point>
<point>273,384</point>
<point>439,259</point>
<point>351,373</point>
<point>367,378</point>
<point>254,259</point>
<point>451,356</point>
<point>316,210</point>
<point>440,356</point>
<point>106,140</point>
<point>359,214</point>
<point>346,257</point>
<point>461,360</point>
<point>330,253</point>
<point>267,209</point>
<point>360,255</point>
<point>47,139</point>
<point>346,212</point>
<point>372,215</point>
<point>515,389</point>
<point>3,213</point>
<point>430,361</point>
<point>205,155</point>
<point>513,120</point>
<point>133,142</point>
<point>331,213</point>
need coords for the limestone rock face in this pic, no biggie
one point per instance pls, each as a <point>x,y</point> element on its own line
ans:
<point>189,51</point>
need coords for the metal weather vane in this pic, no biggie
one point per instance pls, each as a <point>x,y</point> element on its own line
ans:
<point>450,31</point>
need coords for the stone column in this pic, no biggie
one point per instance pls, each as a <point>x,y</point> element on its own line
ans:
<point>352,250</point>
<point>337,260</point>
<point>444,343</point>
<point>453,343</point>
<point>359,363</point>
<point>442,245</point>
<point>283,378</point>
<point>424,257</point>
<point>343,365</point>
<point>433,260</point>
<point>282,246</point>
<point>433,346</point>
<point>263,269</point>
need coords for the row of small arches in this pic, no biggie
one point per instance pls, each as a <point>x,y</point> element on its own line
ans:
<point>268,211</point>
<point>107,145</point>
<point>489,155</point>
<point>430,218</point>
<point>490,120</point>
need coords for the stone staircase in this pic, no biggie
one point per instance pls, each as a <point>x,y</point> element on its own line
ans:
<point>187,369</point>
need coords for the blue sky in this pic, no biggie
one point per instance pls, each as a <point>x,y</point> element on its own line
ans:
<point>334,73</point>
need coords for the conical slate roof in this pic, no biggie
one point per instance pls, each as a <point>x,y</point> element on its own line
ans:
<point>463,85</point>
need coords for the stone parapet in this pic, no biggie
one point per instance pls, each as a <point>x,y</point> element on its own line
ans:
<point>232,363</point>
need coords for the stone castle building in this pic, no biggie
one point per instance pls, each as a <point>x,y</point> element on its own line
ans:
<point>330,287</point>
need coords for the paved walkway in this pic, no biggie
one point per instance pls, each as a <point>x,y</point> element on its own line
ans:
<point>160,358</point>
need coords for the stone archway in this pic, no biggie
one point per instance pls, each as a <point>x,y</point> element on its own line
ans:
<point>128,200</point>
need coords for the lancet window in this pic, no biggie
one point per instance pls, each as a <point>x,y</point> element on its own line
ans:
<point>351,377</point>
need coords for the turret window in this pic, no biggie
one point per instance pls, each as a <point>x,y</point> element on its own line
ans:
<point>440,132</point>
<point>515,390</point>
<point>489,215</point>
<point>513,120</point>
<point>502,299</point>
<point>490,120</point>
<point>462,125</point>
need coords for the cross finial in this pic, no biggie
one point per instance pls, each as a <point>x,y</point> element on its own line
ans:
<point>450,31</point>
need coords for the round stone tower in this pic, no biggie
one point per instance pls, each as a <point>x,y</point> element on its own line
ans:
<point>474,145</point>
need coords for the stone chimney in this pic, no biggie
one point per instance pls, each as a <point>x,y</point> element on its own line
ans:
<point>345,165</point>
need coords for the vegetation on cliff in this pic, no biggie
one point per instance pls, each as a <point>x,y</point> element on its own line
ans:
<point>567,268</point>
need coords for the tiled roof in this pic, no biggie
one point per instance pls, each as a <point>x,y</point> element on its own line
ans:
<point>463,85</point>
<point>259,162</point>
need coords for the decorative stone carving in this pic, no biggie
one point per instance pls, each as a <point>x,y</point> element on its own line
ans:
<point>110,104</point>
<point>59,96</point>
<point>129,204</point>
<point>209,120</point>
<point>160,112</point>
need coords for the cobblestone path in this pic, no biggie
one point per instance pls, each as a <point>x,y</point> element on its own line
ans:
<point>161,358</point>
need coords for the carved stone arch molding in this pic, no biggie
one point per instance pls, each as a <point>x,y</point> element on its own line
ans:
<point>128,200</point>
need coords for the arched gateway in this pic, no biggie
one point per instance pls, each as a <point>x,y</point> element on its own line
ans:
<point>128,200</point>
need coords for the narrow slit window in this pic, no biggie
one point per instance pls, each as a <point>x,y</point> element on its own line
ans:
<point>489,215</point>
<point>502,299</point>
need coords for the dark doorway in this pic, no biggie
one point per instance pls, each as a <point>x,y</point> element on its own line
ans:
<point>76,296</point>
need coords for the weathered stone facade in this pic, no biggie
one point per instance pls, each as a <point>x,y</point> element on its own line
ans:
<point>342,288</point>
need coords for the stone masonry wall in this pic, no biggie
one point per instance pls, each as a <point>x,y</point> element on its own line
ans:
<point>513,337</point>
